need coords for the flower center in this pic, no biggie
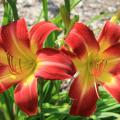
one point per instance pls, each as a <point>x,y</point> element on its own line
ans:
<point>93,65</point>
<point>14,65</point>
<point>20,65</point>
<point>98,67</point>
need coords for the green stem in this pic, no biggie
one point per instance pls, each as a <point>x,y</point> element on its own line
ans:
<point>67,5</point>
<point>14,9</point>
<point>45,9</point>
<point>41,82</point>
<point>7,17</point>
<point>73,21</point>
<point>65,17</point>
<point>10,111</point>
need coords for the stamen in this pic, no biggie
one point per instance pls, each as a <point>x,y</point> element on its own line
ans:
<point>20,65</point>
<point>96,90</point>
<point>9,61</point>
<point>98,67</point>
<point>2,77</point>
<point>13,65</point>
<point>102,65</point>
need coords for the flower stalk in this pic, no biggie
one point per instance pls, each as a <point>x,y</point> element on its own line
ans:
<point>7,17</point>
<point>45,9</point>
<point>12,3</point>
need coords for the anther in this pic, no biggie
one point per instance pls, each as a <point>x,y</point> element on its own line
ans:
<point>20,65</point>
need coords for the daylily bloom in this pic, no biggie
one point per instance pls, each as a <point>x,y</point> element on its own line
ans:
<point>97,62</point>
<point>23,61</point>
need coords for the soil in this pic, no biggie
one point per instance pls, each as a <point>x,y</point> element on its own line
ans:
<point>86,9</point>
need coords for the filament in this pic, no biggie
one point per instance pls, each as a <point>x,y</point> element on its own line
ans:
<point>96,90</point>
<point>13,65</point>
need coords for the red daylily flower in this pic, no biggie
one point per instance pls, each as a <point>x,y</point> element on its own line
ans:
<point>23,60</point>
<point>97,62</point>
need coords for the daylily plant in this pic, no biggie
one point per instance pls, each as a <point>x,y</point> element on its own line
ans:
<point>23,61</point>
<point>97,62</point>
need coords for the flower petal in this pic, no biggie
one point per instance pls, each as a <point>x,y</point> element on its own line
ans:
<point>39,33</point>
<point>75,41</point>
<point>53,64</point>
<point>3,56</point>
<point>116,69</point>
<point>84,108</point>
<point>84,98</point>
<point>0,37</point>
<point>14,36</point>
<point>87,36</point>
<point>113,51</point>
<point>75,89</point>
<point>109,35</point>
<point>6,78</point>
<point>26,96</point>
<point>112,86</point>
<point>112,57</point>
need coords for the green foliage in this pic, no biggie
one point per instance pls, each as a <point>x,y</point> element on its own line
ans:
<point>45,9</point>
<point>7,17</point>
<point>12,4</point>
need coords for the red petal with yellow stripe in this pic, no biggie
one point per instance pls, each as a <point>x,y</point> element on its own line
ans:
<point>76,44</point>
<point>75,89</point>
<point>53,64</point>
<point>113,51</point>
<point>87,36</point>
<point>15,37</point>
<point>26,96</point>
<point>112,86</point>
<point>83,108</point>
<point>116,69</point>
<point>84,98</point>
<point>109,35</point>
<point>6,78</point>
<point>39,33</point>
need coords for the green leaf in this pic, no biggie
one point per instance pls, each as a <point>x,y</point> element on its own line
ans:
<point>12,3</point>
<point>65,16</point>
<point>2,116</point>
<point>67,6</point>
<point>109,114</point>
<point>73,3</point>
<point>50,42</point>
<point>48,91</point>
<point>7,17</point>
